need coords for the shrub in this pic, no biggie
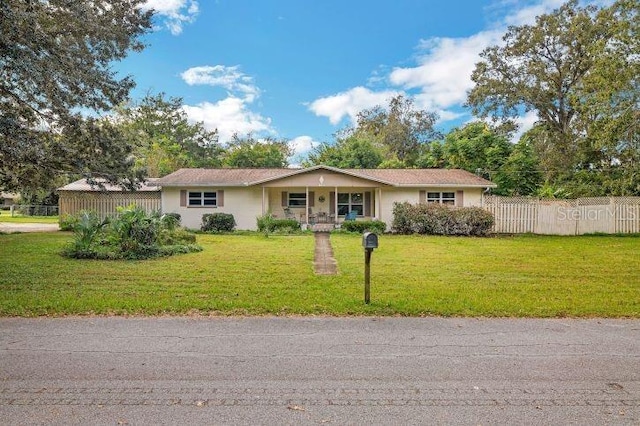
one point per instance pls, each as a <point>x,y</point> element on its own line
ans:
<point>68,222</point>
<point>133,234</point>
<point>87,226</point>
<point>218,222</point>
<point>364,226</point>
<point>268,224</point>
<point>172,220</point>
<point>265,223</point>
<point>439,219</point>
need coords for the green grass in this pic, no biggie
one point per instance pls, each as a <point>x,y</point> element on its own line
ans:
<point>524,276</point>
<point>5,216</point>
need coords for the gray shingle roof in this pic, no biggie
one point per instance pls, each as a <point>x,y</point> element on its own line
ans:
<point>393,177</point>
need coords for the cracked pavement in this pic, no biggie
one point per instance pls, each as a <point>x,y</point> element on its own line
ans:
<point>319,370</point>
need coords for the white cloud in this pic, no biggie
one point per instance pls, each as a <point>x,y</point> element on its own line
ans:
<point>442,74</point>
<point>349,103</point>
<point>229,78</point>
<point>174,13</point>
<point>302,145</point>
<point>527,15</point>
<point>229,116</point>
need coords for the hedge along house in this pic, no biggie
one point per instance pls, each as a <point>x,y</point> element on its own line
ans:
<point>314,195</point>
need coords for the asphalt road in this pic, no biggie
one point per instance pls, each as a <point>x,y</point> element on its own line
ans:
<point>117,371</point>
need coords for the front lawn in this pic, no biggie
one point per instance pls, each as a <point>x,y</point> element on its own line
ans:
<point>523,276</point>
<point>5,216</point>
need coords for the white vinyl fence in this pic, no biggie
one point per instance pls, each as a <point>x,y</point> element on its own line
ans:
<point>610,215</point>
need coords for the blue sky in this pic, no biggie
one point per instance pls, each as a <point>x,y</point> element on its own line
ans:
<point>301,69</point>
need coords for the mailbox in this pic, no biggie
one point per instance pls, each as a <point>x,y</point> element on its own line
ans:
<point>369,240</point>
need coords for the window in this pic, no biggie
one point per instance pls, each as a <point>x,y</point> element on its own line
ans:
<point>297,199</point>
<point>199,199</point>
<point>351,202</point>
<point>441,197</point>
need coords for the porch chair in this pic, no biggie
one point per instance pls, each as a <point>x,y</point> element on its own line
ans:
<point>288,214</point>
<point>351,215</point>
<point>312,217</point>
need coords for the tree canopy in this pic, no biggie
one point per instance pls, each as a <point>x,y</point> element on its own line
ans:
<point>577,68</point>
<point>399,130</point>
<point>352,152</point>
<point>252,153</point>
<point>486,151</point>
<point>55,63</point>
<point>164,139</point>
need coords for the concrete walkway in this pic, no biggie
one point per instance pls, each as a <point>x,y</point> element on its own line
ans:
<point>324,262</point>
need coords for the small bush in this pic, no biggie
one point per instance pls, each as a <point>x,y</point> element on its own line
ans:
<point>133,234</point>
<point>265,223</point>
<point>68,222</point>
<point>269,224</point>
<point>172,220</point>
<point>218,222</point>
<point>438,219</point>
<point>364,226</point>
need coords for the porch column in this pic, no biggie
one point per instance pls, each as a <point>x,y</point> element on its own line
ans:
<point>306,207</point>
<point>379,203</point>
<point>263,191</point>
<point>335,207</point>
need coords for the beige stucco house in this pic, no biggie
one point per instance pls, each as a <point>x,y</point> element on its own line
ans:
<point>319,194</point>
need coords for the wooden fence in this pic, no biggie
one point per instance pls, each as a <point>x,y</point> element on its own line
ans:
<point>106,203</point>
<point>610,215</point>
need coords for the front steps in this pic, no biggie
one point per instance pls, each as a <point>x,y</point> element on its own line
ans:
<point>322,227</point>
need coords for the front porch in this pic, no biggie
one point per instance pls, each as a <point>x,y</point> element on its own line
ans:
<point>322,199</point>
<point>321,208</point>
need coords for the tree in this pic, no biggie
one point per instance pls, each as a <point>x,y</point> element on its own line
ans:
<point>577,68</point>
<point>165,139</point>
<point>486,151</point>
<point>401,130</point>
<point>55,59</point>
<point>520,173</point>
<point>351,152</point>
<point>251,153</point>
<point>477,148</point>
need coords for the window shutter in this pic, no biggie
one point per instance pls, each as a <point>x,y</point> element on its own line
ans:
<point>460,198</point>
<point>367,203</point>
<point>284,199</point>
<point>332,202</point>
<point>183,198</point>
<point>422,197</point>
<point>312,198</point>
<point>220,198</point>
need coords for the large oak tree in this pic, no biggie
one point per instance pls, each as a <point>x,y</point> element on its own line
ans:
<point>577,68</point>
<point>55,76</point>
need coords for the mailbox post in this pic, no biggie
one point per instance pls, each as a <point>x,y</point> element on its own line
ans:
<point>369,242</point>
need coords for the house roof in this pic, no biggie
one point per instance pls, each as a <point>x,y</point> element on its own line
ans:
<point>83,185</point>
<point>392,177</point>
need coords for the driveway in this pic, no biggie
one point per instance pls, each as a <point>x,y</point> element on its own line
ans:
<point>319,371</point>
<point>10,227</point>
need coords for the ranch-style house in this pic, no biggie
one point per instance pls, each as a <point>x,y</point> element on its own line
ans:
<point>313,195</point>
